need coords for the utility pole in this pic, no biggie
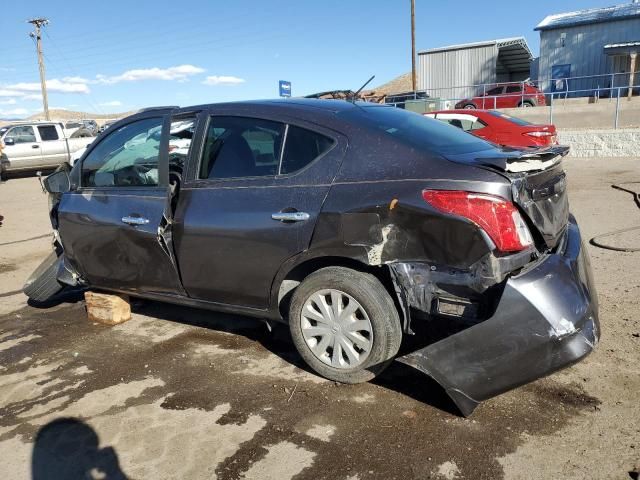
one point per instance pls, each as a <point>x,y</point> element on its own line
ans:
<point>413,45</point>
<point>38,23</point>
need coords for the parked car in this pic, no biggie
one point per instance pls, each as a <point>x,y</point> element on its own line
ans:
<point>499,128</point>
<point>76,129</point>
<point>356,224</point>
<point>37,145</point>
<point>91,126</point>
<point>106,125</point>
<point>399,100</point>
<point>510,95</point>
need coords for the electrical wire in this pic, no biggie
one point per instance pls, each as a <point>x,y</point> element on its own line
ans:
<point>596,241</point>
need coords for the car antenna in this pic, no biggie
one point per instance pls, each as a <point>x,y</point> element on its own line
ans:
<point>355,95</point>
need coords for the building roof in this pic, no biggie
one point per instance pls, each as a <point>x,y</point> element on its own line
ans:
<point>500,42</point>
<point>591,15</point>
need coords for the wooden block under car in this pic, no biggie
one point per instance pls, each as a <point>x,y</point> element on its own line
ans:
<point>106,308</point>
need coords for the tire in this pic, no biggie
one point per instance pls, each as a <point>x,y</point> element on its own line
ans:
<point>377,308</point>
<point>43,283</point>
<point>526,104</point>
<point>469,106</point>
<point>81,133</point>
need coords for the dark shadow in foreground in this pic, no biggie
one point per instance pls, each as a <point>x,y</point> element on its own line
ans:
<point>68,448</point>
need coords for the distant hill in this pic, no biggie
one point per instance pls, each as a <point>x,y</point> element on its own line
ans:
<point>71,115</point>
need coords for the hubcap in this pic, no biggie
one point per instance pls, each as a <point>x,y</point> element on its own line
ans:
<point>336,328</point>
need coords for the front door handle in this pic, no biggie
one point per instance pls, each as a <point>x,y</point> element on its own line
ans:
<point>35,146</point>
<point>135,220</point>
<point>290,216</point>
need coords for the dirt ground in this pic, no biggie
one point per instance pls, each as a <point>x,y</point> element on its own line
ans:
<point>182,393</point>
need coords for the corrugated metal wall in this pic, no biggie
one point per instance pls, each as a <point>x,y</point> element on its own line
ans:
<point>463,67</point>
<point>583,49</point>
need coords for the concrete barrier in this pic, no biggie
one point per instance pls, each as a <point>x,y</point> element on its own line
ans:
<point>573,114</point>
<point>602,143</point>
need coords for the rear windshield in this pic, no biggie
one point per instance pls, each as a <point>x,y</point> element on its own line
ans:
<point>517,121</point>
<point>418,131</point>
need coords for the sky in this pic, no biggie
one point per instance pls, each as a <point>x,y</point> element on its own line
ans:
<point>117,55</point>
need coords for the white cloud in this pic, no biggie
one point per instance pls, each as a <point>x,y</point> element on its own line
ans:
<point>33,96</point>
<point>53,85</point>
<point>223,80</point>
<point>11,101</point>
<point>180,73</point>
<point>15,111</point>
<point>76,80</point>
<point>112,103</point>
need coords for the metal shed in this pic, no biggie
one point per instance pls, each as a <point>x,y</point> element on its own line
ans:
<point>465,65</point>
<point>600,43</point>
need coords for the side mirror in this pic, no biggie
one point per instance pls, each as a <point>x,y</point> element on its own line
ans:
<point>57,182</point>
<point>9,141</point>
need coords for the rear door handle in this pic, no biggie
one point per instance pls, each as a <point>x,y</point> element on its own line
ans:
<point>135,220</point>
<point>290,216</point>
<point>35,146</point>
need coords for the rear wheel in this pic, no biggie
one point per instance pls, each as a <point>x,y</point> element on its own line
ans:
<point>43,283</point>
<point>344,324</point>
<point>526,104</point>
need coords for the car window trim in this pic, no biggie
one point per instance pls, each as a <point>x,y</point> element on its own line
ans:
<point>163,156</point>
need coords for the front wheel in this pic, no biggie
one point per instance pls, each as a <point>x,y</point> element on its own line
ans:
<point>469,106</point>
<point>525,104</point>
<point>344,324</point>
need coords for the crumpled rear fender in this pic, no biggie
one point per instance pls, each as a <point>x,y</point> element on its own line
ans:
<point>546,319</point>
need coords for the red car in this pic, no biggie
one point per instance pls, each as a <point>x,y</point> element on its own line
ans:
<point>510,95</point>
<point>499,128</point>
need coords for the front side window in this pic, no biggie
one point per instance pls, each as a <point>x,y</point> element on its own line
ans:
<point>21,134</point>
<point>48,132</point>
<point>301,148</point>
<point>241,147</point>
<point>125,158</point>
<point>495,91</point>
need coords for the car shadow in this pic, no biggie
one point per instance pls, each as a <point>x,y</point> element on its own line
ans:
<point>68,448</point>
<point>276,338</point>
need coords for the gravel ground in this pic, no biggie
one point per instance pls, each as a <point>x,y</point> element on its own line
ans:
<point>182,393</point>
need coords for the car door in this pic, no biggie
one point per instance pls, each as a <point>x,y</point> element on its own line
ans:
<point>251,202</point>
<point>114,225</point>
<point>22,148</point>
<point>53,147</point>
<point>493,98</point>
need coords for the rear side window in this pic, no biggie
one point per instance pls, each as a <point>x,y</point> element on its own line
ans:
<point>517,121</point>
<point>416,130</point>
<point>48,132</point>
<point>301,148</point>
<point>241,147</point>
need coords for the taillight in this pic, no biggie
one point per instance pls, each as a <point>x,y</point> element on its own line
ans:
<point>499,218</point>
<point>538,134</point>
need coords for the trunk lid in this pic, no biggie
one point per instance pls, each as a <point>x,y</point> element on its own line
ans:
<point>538,185</point>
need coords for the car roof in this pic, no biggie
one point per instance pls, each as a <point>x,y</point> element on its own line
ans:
<point>304,104</point>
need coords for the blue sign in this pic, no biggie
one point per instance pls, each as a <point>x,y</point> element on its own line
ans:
<point>285,88</point>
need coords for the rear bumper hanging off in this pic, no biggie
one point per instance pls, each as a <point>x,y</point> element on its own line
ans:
<point>547,319</point>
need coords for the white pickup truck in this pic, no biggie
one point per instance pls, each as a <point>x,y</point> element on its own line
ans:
<point>28,146</point>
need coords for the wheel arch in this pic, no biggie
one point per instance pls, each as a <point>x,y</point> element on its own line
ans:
<point>292,275</point>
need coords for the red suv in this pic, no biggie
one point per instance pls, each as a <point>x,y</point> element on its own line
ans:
<point>508,95</point>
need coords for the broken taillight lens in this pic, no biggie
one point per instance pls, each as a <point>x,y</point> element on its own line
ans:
<point>499,218</point>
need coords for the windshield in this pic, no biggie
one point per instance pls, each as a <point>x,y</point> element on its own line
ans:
<point>517,121</point>
<point>418,131</point>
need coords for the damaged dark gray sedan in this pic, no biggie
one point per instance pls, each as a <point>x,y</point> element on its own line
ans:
<point>356,224</point>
